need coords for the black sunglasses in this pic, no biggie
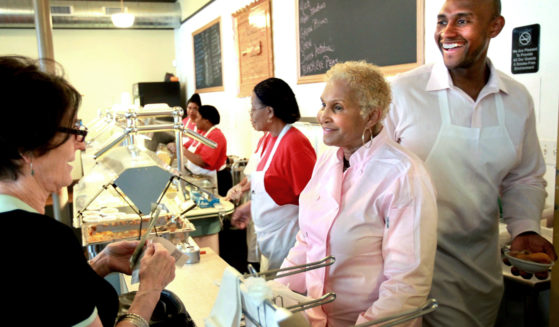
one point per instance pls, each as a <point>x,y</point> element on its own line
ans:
<point>79,131</point>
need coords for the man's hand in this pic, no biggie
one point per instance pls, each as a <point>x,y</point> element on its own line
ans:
<point>532,242</point>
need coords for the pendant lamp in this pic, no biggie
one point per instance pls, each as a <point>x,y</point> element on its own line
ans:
<point>123,19</point>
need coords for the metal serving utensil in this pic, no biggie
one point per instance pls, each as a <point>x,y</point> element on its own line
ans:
<point>139,249</point>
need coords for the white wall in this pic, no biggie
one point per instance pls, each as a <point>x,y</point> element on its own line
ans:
<point>234,110</point>
<point>101,64</point>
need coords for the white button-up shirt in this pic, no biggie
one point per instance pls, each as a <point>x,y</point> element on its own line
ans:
<point>414,121</point>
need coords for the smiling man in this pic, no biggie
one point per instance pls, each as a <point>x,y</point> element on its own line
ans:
<point>475,129</point>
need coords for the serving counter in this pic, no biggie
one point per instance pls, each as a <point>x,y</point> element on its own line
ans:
<point>197,285</point>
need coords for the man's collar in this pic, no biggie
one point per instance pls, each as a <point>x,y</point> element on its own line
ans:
<point>440,78</point>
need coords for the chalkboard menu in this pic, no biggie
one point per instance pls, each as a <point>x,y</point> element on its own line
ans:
<point>387,33</point>
<point>207,58</point>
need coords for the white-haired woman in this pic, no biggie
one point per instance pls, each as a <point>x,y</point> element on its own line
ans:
<point>370,204</point>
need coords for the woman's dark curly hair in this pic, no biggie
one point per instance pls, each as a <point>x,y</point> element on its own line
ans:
<point>33,105</point>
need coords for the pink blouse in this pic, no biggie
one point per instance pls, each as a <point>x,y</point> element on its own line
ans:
<point>379,220</point>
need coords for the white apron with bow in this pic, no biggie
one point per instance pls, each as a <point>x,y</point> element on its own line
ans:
<point>467,166</point>
<point>276,226</point>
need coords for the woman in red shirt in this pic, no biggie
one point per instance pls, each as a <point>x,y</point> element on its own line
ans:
<point>276,173</point>
<point>201,159</point>
<point>189,121</point>
<point>192,106</point>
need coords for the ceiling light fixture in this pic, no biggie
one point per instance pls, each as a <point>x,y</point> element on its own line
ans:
<point>123,19</point>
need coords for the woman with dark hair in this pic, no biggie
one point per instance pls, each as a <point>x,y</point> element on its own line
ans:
<point>201,159</point>
<point>39,134</point>
<point>192,106</point>
<point>189,121</point>
<point>276,173</point>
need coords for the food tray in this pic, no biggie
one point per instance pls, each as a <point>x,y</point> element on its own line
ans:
<point>526,265</point>
<point>120,225</point>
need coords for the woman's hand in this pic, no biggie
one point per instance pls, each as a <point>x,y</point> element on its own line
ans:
<point>115,257</point>
<point>172,147</point>
<point>236,192</point>
<point>241,217</point>
<point>157,268</point>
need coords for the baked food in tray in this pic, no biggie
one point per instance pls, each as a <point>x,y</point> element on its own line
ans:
<point>108,225</point>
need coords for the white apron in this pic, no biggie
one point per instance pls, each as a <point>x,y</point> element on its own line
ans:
<point>212,174</point>
<point>467,166</point>
<point>276,226</point>
<point>253,253</point>
<point>188,121</point>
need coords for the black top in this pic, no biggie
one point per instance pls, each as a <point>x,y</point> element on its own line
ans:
<point>48,280</point>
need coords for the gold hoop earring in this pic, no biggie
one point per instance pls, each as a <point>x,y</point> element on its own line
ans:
<point>363,137</point>
<point>32,170</point>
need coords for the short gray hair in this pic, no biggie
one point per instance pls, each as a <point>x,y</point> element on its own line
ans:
<point>368,83</point>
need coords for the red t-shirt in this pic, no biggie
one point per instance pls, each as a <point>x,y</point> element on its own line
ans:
<point>291,167</point>
<point>191,125</point>
<point>214,158</point>
<point>188,123</point>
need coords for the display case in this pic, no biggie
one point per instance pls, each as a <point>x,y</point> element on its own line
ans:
<point>115,199</point>
<point>123,182</point>
<point>103,128</point>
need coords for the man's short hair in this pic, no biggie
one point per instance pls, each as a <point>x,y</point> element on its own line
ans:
<point>497,7</point>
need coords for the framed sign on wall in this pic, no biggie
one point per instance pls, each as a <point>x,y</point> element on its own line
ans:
<point>253,30</point>
<point>387,33</point>
<point>207,57</point>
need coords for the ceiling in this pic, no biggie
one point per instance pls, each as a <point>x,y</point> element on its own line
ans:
<point>92,14</point>
<point>126,1</point>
